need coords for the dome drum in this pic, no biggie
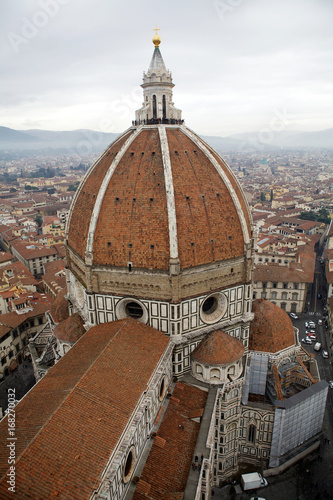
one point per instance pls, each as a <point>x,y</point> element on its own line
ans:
<point>162,285</point>
<point>217,375</point>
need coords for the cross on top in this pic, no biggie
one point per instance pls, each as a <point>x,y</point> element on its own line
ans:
<point>156,29</point>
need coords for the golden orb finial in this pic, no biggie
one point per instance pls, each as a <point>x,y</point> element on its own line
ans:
<point>156,37</point>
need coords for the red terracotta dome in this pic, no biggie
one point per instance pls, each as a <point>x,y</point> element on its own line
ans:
<point>218,348</point>
<point>159,192</point>
<point>59,308</point>
<point>70,330</point>
<point>272,329</point>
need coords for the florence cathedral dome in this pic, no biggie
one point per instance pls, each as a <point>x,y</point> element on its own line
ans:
<point>158,201</point>
<point>160,229</point>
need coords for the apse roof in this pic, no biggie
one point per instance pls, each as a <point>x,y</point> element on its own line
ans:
<point>218,348</point>
<point>271,329</point>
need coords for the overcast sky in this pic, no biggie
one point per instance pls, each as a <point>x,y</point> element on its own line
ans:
<point>238,65</point>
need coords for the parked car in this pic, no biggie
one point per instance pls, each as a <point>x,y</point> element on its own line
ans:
<point>310,324</point>
<point>320,322</point>
<point>312,330</point>
<point>293,316</point>
<point>324,354</point>
<point>312,336</point>
<point>307,341</point>
<point>330,383</point>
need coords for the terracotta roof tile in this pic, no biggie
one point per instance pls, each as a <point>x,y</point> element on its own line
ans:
<point>218,348</point>
<point>87,389</point>
<point>167,468</point>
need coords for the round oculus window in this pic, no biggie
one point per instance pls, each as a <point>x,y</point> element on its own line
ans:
<point>162,389</point>
<point>129,465</point>
<point>131,308</point>
<point>213,308</point>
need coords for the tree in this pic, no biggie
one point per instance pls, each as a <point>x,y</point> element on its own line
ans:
<point>12,190</point>
<point>39,220</point>
<point>308,215</point>
<point>321,216</point>
<point>262,196</point>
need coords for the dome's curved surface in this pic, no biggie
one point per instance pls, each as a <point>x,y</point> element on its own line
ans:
<point>70,330</point>
<point>159,192</point>
<point>272,329</point>
<point>218,348</point>
<point>59,308</point>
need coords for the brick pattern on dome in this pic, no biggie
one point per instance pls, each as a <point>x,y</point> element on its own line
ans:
<point>167,468</point>
<point>133,221</point>
<point>236,187</point>
<point>208,225</point>
<point>94,388</point>
<point>84,205</point>
<point>218,348</point>
<point>272,329</point>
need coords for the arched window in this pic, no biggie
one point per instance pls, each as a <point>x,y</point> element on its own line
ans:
<point>154,107</point>
<point>231,371</point>
<point>198,369</point>
<point>164,107</point>
<point>232,429</point>
<point>251,433</point>
<point>215,373</point>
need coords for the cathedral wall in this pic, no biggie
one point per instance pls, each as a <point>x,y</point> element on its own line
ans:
<point>227,430</point>
<point>256,427</point>
<point>172,319</point>
<point>185,322</point>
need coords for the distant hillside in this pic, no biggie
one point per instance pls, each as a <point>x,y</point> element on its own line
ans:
<point>10,136</point>
<point>82,141</point>
<point>287,139</point>
<point>79,141</point>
